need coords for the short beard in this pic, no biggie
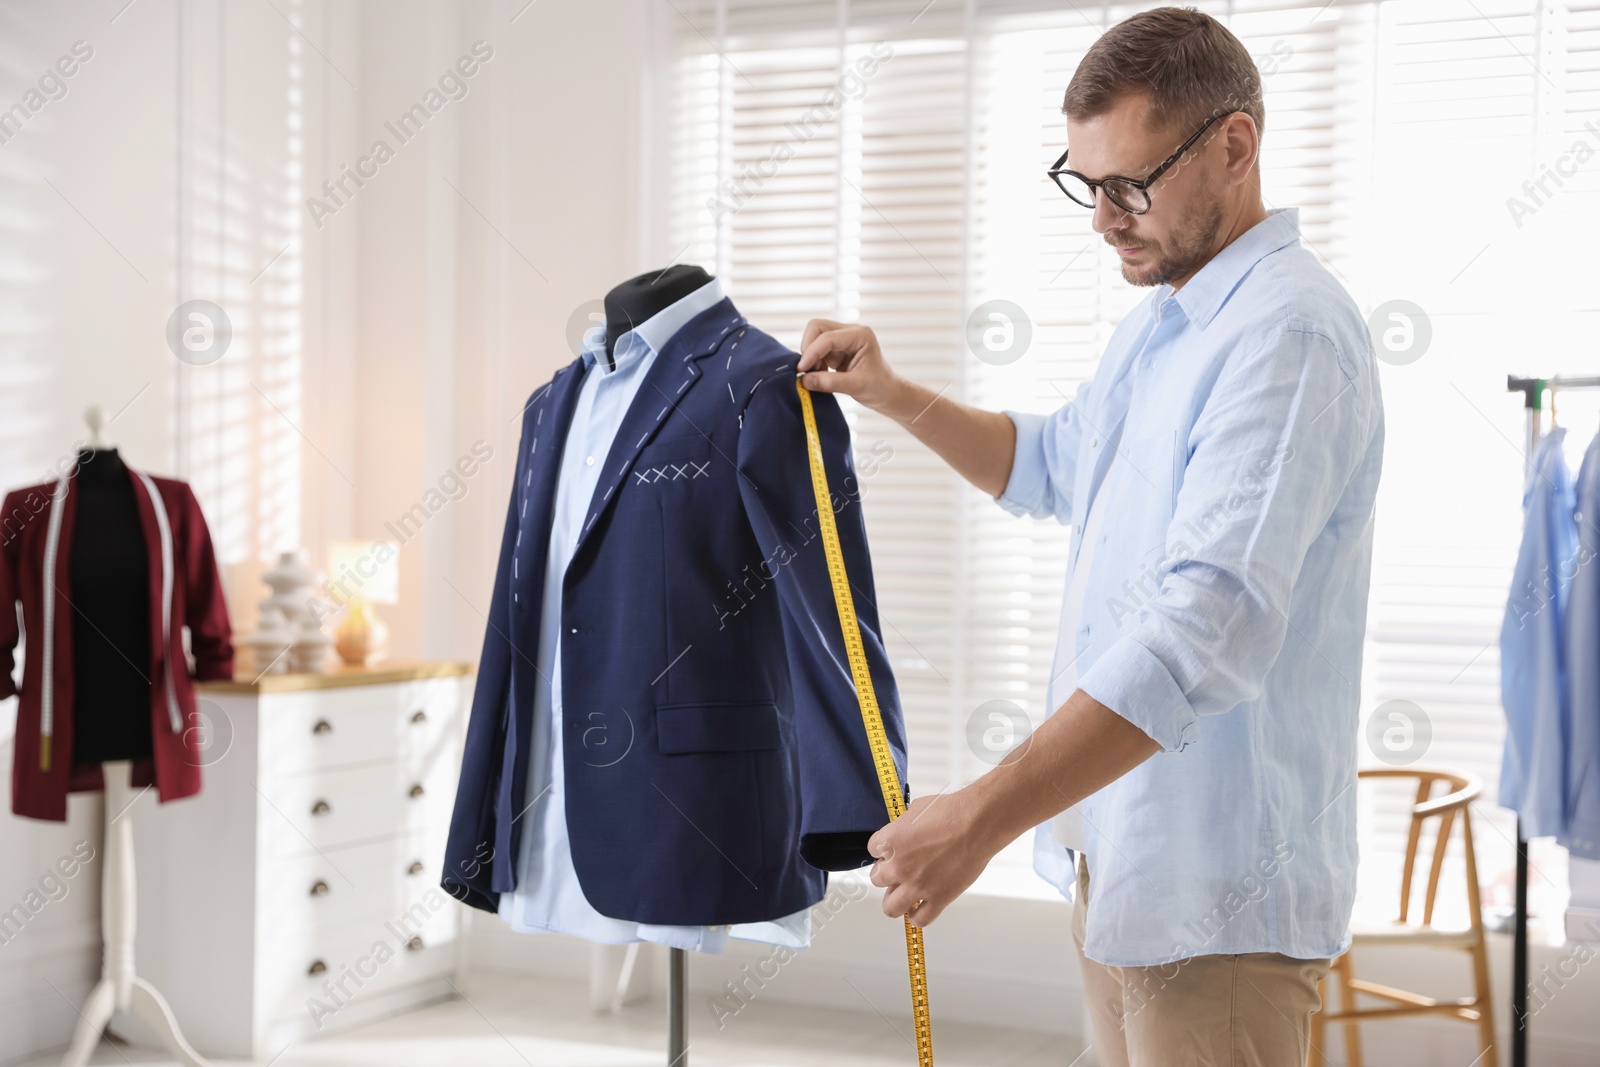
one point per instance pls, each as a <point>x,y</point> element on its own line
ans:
<point>1190,247</point>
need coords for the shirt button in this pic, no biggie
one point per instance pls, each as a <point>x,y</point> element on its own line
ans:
<point>589,461</point>
<point>1094,442</point>
<point>573,630</point>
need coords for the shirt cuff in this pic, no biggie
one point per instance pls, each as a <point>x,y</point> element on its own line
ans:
<point>1029,481</point>
<point>1130,680</point>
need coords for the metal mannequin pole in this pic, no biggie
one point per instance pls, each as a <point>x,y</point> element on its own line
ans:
<point>677,1026</point>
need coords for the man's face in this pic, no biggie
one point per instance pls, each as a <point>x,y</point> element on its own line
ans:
<point>1179,233</point>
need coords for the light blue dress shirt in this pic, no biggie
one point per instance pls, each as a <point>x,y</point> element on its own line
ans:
<point>548,897</point>
<point>1225,609</point>
<point>1533,677</point>
<point>1582,832</point>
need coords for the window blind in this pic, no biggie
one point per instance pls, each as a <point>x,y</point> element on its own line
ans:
<point>904,192</point>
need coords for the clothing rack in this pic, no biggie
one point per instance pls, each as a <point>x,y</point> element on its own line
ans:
<point>1533,391</point>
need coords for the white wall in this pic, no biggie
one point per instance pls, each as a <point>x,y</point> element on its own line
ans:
<point>165,171</point>
<point>369,352</point>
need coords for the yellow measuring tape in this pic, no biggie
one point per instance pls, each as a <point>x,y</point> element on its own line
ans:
<point>877,740</point>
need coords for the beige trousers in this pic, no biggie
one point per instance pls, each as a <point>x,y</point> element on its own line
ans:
<point>1252,1009</point>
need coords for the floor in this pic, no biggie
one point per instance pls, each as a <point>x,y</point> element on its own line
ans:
<point>528,1021</point>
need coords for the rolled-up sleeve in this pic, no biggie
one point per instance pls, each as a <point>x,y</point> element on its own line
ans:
<point>1043,465</point>
<point>1269,457</point>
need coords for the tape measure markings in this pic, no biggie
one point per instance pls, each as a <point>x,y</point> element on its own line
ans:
<point>871,715</point>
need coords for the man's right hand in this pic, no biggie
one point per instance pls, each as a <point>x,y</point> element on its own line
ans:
<point>844,357</point>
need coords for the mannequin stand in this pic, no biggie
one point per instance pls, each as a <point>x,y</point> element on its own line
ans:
<point>119,988</point>
<point>677,1027</point>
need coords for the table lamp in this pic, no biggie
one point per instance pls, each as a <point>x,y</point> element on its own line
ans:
<point>361,574</point>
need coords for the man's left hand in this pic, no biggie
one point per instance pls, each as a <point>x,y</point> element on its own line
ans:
<point>932,853</point>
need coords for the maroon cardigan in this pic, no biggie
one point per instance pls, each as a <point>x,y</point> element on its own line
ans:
<point>181,564</point>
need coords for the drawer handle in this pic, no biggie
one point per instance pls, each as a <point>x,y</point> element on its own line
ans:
<point>317,967</point>
<point>415,868</point>
<point>416,790</point>
<point>419,717</point>
<point>319,888</point>
<point>320,808</point>
<point>323,726</point>
<point>415,944</point>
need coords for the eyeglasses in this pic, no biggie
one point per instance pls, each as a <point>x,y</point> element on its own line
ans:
<point>1130,194</point>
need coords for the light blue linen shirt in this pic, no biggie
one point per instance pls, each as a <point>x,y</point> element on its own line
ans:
<point>548,897</point>
<point>1582,815</point>
<point>1533,674</point>
<point>1225,607</point>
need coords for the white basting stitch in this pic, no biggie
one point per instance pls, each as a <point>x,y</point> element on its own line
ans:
<point>642,439</point>
<point>590,523</point>
<point>613,489</point>
<point>731,398</point>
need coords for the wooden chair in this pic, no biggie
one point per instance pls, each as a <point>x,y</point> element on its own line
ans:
<point>1461,790</point>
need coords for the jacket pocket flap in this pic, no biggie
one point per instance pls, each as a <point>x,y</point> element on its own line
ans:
<point>716,727</point>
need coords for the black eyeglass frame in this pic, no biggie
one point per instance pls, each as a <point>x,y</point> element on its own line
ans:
<point>1141,184</point>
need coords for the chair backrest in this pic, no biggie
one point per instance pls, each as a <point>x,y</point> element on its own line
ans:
<point>1459,790</point>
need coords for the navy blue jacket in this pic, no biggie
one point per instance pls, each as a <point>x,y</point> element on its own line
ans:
<point>716,762</point>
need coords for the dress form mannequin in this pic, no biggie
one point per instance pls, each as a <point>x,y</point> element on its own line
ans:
<point>112,726</point>
<point>638,299</point>
<point>627,305</point>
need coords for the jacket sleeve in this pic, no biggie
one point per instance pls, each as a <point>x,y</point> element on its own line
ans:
<point>11,522</point>
<point>470,847</point>
<point>205,609</point>
<point>841,803</point>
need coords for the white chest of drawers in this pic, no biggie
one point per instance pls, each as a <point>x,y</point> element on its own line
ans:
<point>299,892</point>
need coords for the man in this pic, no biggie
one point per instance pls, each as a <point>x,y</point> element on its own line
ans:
<point>1220,471</point>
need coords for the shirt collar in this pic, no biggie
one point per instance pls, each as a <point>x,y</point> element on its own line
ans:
<point>653,334</point>
<point>1205,293</point>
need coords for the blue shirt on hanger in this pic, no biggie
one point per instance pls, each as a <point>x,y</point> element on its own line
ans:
<point>548,897</point>
<point>1533,682</point>
<point>1582,837</point>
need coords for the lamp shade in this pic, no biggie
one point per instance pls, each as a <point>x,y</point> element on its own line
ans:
<point>364,570</point>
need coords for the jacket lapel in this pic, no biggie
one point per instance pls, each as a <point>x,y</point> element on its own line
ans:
<point>161,549</point>
<point>550,413</point>
<point>153,559</point>
<point>55,607</point>
<point>675,371</point>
